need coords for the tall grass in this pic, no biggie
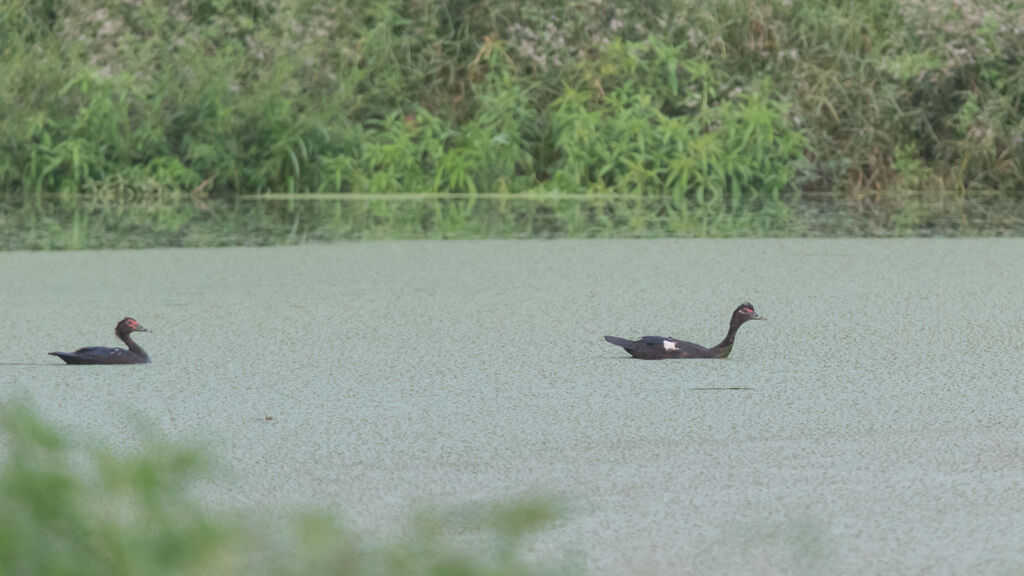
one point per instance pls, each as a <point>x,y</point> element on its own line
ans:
<point>76,507</point>
<point>701,117</point>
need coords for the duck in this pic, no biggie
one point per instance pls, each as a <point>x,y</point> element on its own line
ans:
<point>660,347</point>
<point>102,355</point>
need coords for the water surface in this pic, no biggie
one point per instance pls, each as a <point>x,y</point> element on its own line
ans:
<point>877,428</point>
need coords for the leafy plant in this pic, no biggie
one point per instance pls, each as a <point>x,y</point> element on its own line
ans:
<point>74,507</point>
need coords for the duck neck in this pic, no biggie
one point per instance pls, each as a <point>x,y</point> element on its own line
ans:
<point>725,346</point>
<point>126,337</point>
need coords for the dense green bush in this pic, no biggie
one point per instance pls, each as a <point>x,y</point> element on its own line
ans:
<point>685,112</point>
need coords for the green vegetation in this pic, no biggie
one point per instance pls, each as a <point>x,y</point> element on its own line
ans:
<point>152,123</point>
<point>72,508</point>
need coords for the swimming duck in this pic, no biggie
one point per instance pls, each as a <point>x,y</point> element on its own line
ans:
<point>659,347</point>
<point>101,355</point>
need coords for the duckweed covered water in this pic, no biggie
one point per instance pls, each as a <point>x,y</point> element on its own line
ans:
<point>876,427</point>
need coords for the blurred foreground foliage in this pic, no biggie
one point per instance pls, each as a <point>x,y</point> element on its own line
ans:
<point>78,508</point>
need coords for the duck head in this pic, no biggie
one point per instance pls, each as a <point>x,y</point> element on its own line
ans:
<point>129,325</point>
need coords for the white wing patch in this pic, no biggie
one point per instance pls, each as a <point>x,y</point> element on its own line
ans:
<point>668,344</point>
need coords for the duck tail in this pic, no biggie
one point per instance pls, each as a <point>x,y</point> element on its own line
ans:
<point>618,341</point>
<point>65,356</point>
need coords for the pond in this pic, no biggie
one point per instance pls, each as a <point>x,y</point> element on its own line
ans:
<point>871,425</point>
